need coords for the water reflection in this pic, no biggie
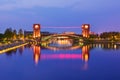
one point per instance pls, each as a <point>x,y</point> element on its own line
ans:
<point>84,55</point>
<point>85,52</point>
<point>106,46</point>
<point>61,42</point>
<point>9,53</point>
<point>60,56</point>
<point>21,49</point>
<point>62,64</point>
<point>37,53</point>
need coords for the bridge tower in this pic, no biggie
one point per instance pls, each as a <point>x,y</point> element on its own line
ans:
<point>86,30</point>
<point>36,31</point>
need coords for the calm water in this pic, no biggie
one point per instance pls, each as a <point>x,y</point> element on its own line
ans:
<point>90,62</point>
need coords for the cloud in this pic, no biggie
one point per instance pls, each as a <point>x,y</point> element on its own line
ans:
<point>96,5</point>
<point>8,5</point>
<point>75,4</point>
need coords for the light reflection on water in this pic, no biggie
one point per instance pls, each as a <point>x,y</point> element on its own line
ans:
<point>46,56</point>
<point>62,43</point>
<point>84,55</point>
<point>95,61</point>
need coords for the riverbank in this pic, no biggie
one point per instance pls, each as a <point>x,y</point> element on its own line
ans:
<point>102,41</point>
<point>5,48</point>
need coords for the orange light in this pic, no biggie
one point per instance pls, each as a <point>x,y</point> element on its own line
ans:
<point>86,57</point>
<point>86,26</point>
<point>36,26</point>
<point>36,50</point>
<point>36,58</point>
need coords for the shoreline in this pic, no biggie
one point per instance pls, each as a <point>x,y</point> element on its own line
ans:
<point>9,47</point>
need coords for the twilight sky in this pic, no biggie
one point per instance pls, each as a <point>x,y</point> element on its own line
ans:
<point>103,15</point>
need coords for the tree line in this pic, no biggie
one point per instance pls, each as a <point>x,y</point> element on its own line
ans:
<point>107,35</point>
<point>11,34</point>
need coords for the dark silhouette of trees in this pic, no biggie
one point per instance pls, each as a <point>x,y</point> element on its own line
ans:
<point>1,37</point>
<point>14,34</point>
<point>20,33</point>
<point>110,35</point>
<point>8,33</point>
<point>94,36</point>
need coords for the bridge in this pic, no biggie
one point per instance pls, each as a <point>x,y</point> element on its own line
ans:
<point>37,32</point>
<point>48,38</point>
<point>61,38</point>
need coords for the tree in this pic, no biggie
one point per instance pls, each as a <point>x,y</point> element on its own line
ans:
<point>8,34</point>
<point>94,36</point>
<point>110,35</point>
<point>1,37</point>
<point>20,34</point>
<point>14,34</point>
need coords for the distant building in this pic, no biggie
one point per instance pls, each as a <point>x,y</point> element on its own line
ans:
<point>36,30</point>
<point>46,33</point>
<point>26,33</point>
<point>68,32</point>
<point>30,34</point>
<point>86,30</point>
<point>92,33</point>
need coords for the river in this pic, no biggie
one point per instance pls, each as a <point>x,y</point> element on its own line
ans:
<point>88,62</point>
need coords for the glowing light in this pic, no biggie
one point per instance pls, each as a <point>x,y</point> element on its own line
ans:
<point>61,56</point>
<point>63,42</point>
<point>36,50</point>
<point>86,26</point>
<point>36,26</point>
<point>115,46</point>
<point>36,58</point>
<point>85,53</point>
<point>86,57</point>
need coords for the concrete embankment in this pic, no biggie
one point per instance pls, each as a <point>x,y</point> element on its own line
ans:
<point>12,46</point>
